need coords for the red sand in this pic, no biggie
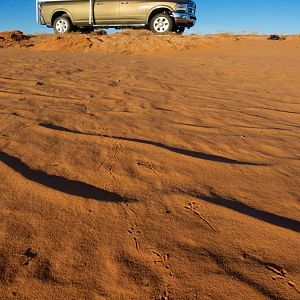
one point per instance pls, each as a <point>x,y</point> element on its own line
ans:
<point>172,174</point>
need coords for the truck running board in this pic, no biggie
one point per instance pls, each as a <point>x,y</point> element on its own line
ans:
<point>118,25</point>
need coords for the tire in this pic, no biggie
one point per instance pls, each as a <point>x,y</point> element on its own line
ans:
<point>179,29</point>
<point>62,25</point>
<point>162,24</point>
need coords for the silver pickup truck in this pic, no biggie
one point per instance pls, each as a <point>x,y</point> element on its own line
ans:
<point>86,15</point>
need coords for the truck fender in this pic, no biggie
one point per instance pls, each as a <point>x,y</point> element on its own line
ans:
<point>159,7</point>
<point>64,12</point>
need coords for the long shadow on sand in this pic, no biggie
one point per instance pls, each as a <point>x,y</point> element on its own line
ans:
<point>190,153</point>
<point>62,184</point>
<point>249,211</point>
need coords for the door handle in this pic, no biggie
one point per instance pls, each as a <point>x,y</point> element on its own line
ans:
<point>125,2</point>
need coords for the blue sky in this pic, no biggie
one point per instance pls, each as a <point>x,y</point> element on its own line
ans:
<point>262,16</point>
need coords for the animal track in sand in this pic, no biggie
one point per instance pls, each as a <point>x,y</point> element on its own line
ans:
<point>135,232</point>
<point>224,264</point>
<point>162,257</point>
<point>191,207</point>
<point>166,295</point>
<point>112,154</point>
<point>125,210</point>
<point>279,272</point>
<point>163,260</point>
<point>147,165</point>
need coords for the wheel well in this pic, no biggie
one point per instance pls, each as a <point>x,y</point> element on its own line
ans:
<point>157,11</point>
<point>59,14</point>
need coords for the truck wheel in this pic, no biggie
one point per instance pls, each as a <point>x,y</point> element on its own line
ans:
<point>162,23</point>
<point>62,25</point>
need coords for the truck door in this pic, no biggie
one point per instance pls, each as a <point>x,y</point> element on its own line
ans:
<point>134,11</point>
<point>107,11</point>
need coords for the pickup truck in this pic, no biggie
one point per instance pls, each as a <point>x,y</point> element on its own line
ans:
<point>85,15</point>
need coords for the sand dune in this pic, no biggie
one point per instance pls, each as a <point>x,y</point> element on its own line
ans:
<point>125,42</point>
<point>142,167</point>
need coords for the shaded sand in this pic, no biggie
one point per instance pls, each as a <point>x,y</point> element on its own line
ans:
<point>166,176</point>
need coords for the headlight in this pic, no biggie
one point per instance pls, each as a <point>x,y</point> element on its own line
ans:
<point>180,6</point>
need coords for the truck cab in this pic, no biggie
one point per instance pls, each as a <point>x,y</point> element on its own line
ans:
<point>86,15</point>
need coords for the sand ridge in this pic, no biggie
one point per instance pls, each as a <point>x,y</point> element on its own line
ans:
<point>125,42</point>
<point>138,42</point>
<point>170,175</point>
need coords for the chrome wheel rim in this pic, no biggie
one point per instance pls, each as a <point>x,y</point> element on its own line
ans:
<point>161,24</point>
<point>61,26</point>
